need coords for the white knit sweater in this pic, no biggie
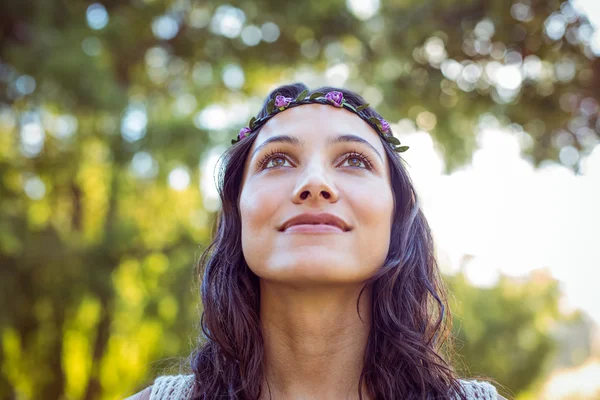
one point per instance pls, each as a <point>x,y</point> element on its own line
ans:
<point>180,387</point>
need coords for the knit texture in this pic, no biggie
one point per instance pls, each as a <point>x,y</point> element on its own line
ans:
<point>172,387</point>
<point>476,390</point>
<point>180,387</point>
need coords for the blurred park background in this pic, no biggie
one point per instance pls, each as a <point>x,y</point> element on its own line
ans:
<point>113,115</point>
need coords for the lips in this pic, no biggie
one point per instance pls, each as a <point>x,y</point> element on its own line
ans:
<point>316,219</point>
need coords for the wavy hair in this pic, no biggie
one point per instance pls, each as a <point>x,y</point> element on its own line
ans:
<point>405,356</point>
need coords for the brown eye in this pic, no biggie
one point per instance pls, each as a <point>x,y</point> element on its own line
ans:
<point>272,160</point>
<point>355,160</point>
<point>275,161</point>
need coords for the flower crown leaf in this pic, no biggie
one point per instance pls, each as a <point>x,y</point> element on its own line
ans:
<point>251,123</point>
<point>301,96</point>
<point>392,139</point>
<point>360,108</point>
<point>348,105</point>
<point>401,149</point>
<point>376,122</point>
<point>270,106</point>
<point>316,95</point>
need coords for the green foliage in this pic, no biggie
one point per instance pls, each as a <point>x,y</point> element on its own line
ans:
<point>504,332</point>
<point>96,255</point>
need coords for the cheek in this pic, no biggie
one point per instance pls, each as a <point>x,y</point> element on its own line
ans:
<point>374,207</point>
<point>258,208</point>
<point>258,204</point>
<point>373,211</point>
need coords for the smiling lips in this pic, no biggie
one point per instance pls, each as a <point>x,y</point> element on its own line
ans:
<point>315,223</point>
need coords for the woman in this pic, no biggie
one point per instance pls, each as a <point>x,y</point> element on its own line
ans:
<point>321,281</point>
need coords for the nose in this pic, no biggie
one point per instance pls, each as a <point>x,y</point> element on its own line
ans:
<point>315,183</point>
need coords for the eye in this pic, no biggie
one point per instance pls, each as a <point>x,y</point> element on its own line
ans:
<point>277,158</point>
<point>355,159</point>
<point>275,155</point>
<point>278,161</point>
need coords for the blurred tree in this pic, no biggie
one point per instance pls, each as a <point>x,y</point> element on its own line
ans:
<point>504,332</point>
<point>107,108</point>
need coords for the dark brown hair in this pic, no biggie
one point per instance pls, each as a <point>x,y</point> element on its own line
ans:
<point>404,355</point>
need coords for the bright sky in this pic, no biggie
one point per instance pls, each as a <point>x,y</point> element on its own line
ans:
<point>591,8</point>
<point>510,217</point>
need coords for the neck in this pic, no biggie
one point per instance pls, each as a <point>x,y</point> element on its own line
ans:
<point>314,340</point>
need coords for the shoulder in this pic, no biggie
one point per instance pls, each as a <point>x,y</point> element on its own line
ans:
<point>172,387</point>
<point>143,395</point>
<point>167,387</point>
<point>480,390</point>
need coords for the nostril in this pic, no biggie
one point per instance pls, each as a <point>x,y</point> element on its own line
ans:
<point>306,193</point>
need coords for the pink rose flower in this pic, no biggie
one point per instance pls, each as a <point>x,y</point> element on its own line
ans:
<point>245,131</point>
<point>384,125</point>
<point>282,102</point>
<point>337,98</point>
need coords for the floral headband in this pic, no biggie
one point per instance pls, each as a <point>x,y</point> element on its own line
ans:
<point>334,98</point>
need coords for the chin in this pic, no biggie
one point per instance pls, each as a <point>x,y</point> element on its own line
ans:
<point>331,267</point>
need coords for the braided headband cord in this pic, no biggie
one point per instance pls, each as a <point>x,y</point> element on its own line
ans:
<point>334,99</point>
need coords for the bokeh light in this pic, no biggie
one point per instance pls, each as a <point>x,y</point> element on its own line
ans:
<point>165,27</point>
<point>97,16</point>
<point>228,21</point>
<point>233,76</point>
<point>270,32</point>
<point>179,178</point>
<point>133,124</point>
<point>34,188</point>
<point>251,35</point>
<point>144,166</point>
<point>363,9</point>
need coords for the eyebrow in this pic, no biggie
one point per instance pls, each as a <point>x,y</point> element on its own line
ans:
<point>345,138</point>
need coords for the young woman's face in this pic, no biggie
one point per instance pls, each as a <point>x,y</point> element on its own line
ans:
<point>315,172</point>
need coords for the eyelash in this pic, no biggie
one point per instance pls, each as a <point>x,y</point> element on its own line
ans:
<point>279,153</point>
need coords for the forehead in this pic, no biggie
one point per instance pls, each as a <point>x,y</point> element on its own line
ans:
<point>315,123</point>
